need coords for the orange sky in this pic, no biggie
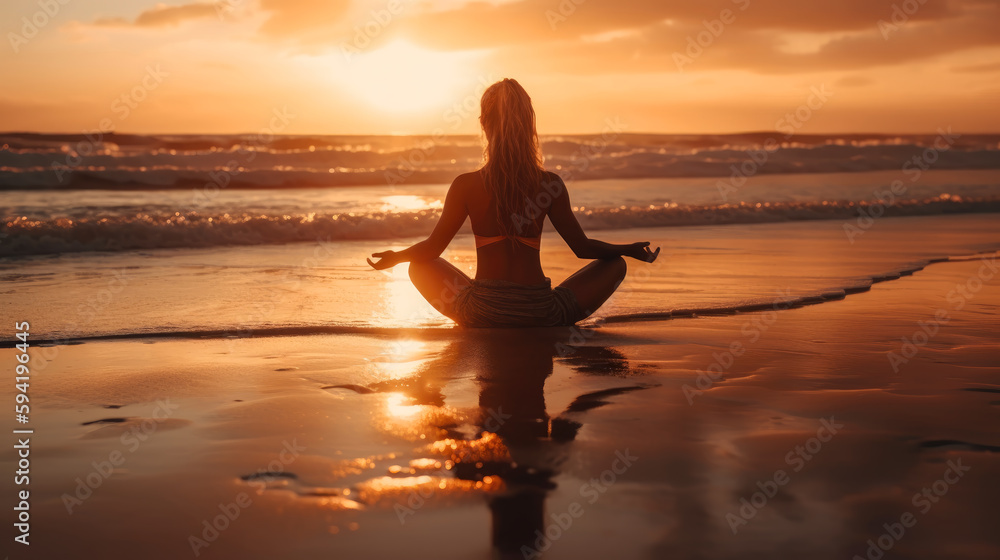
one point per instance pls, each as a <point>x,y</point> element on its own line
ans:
<point>412,66</point>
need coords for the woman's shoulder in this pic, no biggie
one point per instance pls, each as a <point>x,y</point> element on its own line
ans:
<point>471,176</point>
<point>553,183</point>
<point>551,177</point>
<point>466,181</point>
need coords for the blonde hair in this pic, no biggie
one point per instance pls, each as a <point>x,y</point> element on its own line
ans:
<point>512,160</point>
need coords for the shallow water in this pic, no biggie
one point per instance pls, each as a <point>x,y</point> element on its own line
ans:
<point>63,221</point>
<point>317,287</point>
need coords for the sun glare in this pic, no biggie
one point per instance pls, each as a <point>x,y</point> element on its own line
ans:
<point>404,304</point>
<point>401,77</point>
<point>408,202</point>
<point>398,406</point>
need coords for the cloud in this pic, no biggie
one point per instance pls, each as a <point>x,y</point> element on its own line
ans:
<point>293,18</point>
<point>312,22</point>
<point>163,16</point>
<point>484,25</point>
<point>671,46</point>
<point>988,67</point>
<point>854,81</point>
<point>641,36</point>
<point>635,36</point>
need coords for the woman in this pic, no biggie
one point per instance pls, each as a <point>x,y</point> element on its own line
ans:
<point>507,201</point>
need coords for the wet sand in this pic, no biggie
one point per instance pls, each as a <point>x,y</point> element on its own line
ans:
<point>810,432</point>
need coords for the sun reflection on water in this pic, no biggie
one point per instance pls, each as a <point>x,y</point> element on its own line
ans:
<point>404,306</point>
<point>389,491</point>
<point>407,203</point>
<point>396,404</point>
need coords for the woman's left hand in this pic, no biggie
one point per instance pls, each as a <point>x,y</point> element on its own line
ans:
<point>387,259</point>
<point>640,251</point>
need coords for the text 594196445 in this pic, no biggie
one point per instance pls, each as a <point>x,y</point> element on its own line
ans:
<point>22,434</point>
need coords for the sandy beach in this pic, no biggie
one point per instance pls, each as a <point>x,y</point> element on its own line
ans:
<point>856,427</point>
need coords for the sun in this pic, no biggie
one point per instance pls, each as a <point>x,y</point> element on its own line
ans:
<point>401,77</point>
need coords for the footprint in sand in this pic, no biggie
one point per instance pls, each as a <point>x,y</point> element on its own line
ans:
<point>116,426</point>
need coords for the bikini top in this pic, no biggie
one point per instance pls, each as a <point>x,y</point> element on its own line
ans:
<point>484,240</point>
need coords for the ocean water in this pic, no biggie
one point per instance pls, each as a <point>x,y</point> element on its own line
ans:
<point>233,236</point>
<point>67,193</point>
<point>388,402</point>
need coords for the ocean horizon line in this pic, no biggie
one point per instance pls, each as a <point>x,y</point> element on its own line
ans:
<point>472,135</point>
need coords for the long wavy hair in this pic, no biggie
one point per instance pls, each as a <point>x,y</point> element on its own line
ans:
<point>512,160</point>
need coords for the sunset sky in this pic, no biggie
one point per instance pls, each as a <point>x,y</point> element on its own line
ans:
<point>343,67</point>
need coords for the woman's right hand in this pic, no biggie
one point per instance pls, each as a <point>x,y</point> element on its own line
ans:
<point>387,259</point>
<point>640,251</point>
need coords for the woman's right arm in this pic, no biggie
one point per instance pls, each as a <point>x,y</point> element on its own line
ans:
<point>562,217</point>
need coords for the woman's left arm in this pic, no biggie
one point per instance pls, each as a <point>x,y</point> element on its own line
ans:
<point>452,217</point>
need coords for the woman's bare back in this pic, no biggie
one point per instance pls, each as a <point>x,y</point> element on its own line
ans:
<point>507,259</point>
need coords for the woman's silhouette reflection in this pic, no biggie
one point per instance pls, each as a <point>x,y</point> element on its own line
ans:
<point>518,440</point>
<point>511,368</point>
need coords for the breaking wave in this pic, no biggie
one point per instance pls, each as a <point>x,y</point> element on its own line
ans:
<point>23,236</point>
<point>117,161</point>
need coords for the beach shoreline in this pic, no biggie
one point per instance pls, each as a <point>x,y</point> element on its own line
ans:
<point>373,418</point>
